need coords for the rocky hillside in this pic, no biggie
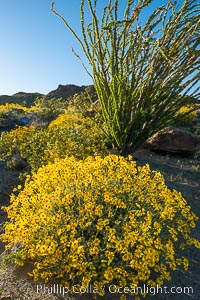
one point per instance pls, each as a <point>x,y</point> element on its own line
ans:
<point>25,99</point>
<point>68,90</point>
<point>62,91</point>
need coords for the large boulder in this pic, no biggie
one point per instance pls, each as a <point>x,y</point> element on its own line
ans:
<point>174,140</point>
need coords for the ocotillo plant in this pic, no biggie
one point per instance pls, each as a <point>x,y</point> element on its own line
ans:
<point>141,71</point>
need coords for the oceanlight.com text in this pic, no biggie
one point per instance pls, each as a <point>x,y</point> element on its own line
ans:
<point>150,290</point>
<point>113,289</point>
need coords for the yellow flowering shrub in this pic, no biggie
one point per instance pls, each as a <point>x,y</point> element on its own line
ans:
<point>69,134</point>
<point>186,115</point>
<point>13,114</point>
<point>99,221</point>
<point>4,108</point>
<point>15,140</point>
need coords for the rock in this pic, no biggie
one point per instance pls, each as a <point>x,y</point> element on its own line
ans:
<point>174,140</point>
<point>17,162</point>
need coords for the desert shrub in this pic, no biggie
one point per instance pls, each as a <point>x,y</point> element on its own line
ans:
<point>86,103</point>
<point>13,114</point>
<point>49,109</point>
<point>14,110</point>
<point>80,103</point>
<point>79,135</point>
<point>139,66</point>
<point>8,107</point>
<point>15,140</point>
<point>99,221</point>
<point>69,134</point>
<point>187,115</point>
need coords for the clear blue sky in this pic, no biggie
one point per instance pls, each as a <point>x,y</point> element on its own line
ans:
<point>35,48</point>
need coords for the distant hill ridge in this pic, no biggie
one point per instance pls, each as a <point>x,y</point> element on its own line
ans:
<point>68,90</point>
<point>25,99</point>
<point>62,91</point>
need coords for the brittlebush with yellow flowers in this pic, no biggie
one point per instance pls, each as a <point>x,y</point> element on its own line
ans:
<point>186,115</point>
<point>69,134</point>
<point>99,221</point>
